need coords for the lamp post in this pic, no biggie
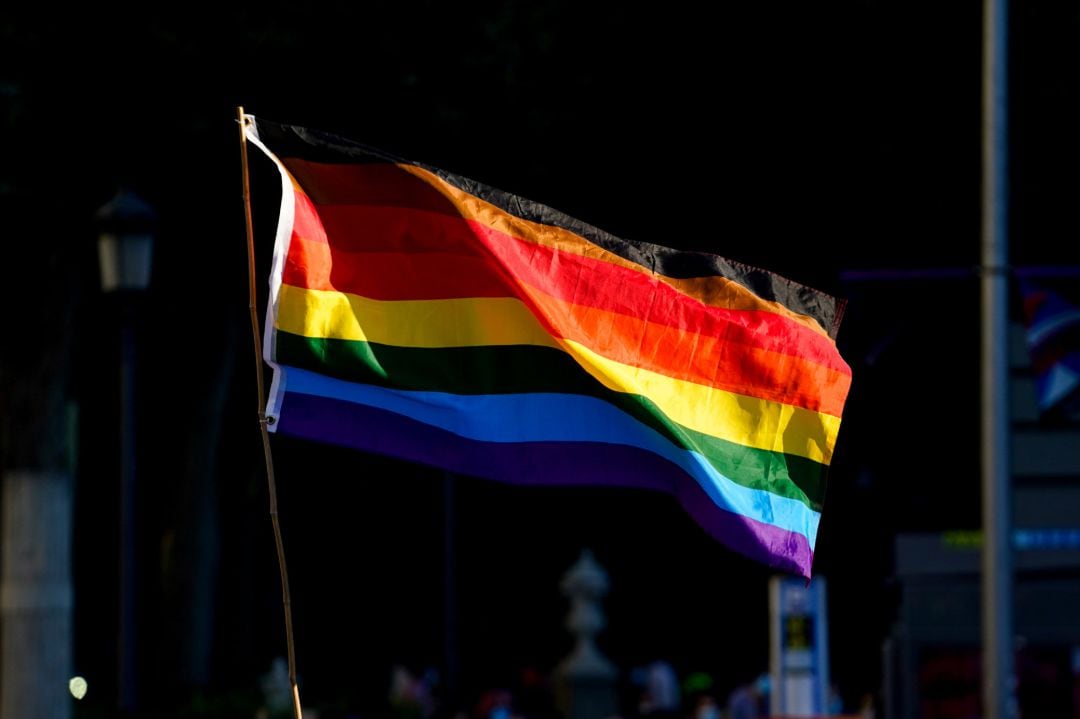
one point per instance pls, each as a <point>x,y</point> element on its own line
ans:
<point>126,227</point>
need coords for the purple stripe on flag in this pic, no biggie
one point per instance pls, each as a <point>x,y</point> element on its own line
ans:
<point>551,463</point>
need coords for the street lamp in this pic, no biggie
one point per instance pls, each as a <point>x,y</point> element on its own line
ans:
<point>126,226</point>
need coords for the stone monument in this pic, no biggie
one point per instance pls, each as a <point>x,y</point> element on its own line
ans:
<point>585,679</point>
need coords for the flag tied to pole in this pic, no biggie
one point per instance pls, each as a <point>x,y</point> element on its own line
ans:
<point>423,315</point>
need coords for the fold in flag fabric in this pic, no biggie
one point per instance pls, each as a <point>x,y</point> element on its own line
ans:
<point>1053,338</point>
<point>422,315</point>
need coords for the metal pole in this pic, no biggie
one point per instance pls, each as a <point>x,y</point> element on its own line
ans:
<point>128,698</point>
<point>996,508</point>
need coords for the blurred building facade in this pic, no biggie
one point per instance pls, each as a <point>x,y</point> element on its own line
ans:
<point>932,665</point>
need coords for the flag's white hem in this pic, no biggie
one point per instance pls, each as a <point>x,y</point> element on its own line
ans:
<point>286,217</point>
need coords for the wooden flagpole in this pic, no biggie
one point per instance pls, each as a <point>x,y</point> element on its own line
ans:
<point>263,422</point>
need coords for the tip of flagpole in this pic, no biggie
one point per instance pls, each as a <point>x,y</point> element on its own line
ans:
<point>243,119</point>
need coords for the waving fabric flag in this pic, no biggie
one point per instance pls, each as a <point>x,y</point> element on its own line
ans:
<point>1053,339</point>
<point>422,315</point>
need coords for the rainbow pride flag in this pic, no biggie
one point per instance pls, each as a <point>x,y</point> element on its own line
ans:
<point>422,315</point>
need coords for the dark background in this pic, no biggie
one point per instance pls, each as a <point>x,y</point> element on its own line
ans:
<point>809,139</point>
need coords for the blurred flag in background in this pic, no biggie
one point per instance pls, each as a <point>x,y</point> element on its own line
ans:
<point>1053,337</point>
